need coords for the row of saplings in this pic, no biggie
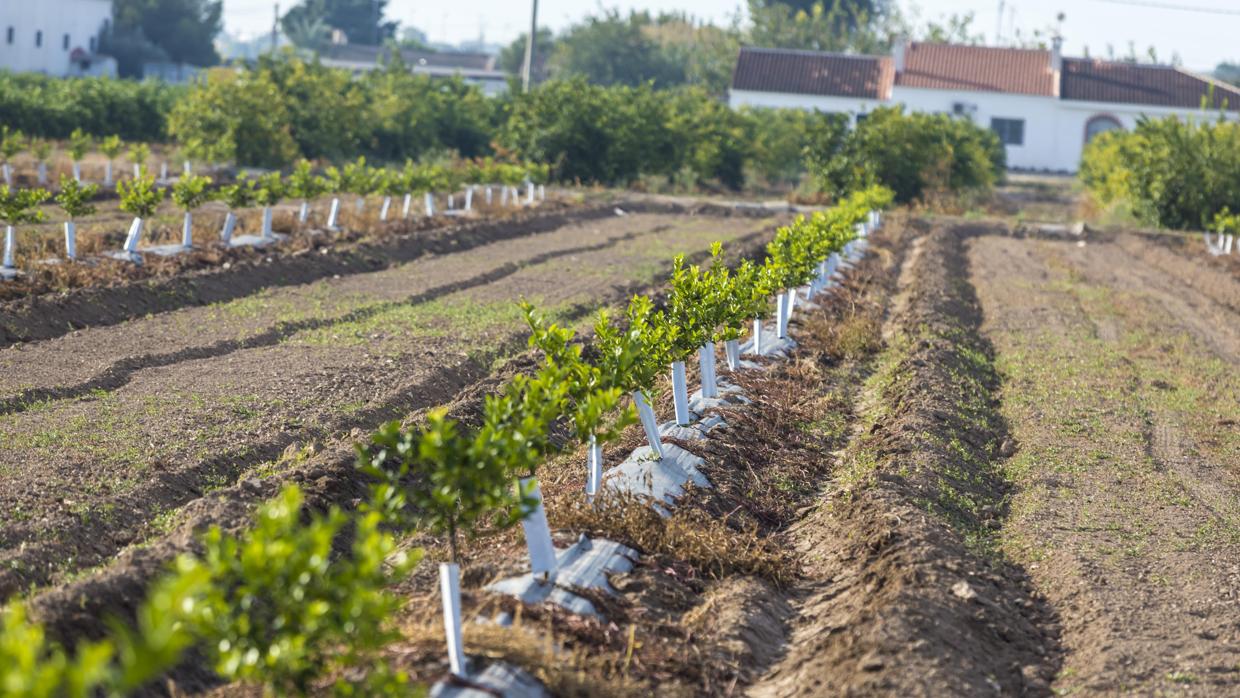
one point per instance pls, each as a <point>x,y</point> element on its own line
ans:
<point>141,197</point>
<point>275,606</point>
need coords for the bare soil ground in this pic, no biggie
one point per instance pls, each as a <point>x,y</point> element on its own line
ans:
<point>107,431</point>
<point>1121,388</point>
<point>1000,461</point>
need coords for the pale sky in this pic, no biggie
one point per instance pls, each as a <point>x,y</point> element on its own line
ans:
<point>1201,39</point>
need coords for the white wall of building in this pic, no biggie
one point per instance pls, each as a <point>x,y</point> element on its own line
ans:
<point>1054,128</point>
<point>783,100</point>
<point>22,21</point>
<point>1040,149</point>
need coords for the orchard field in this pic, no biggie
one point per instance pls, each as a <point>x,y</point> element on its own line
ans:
<point>931,435</point>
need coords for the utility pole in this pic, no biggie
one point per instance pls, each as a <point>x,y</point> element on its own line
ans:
<point>529,50</point>
<point>999,26</point>
<point>275,29</point>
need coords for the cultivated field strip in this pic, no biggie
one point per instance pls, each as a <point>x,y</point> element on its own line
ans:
<point>109,430</point>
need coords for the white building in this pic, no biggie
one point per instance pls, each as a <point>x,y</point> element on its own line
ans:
<point>1044,107</point>
<point>55,37</point>
<point>478,69</point>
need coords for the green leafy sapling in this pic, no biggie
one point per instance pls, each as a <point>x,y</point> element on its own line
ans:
<point>189,192</point>
<point>11,143</point>
<point>631,355</point>
<point>19,207</point>
<point>41,149</point>
<point>591,395</point>
<point>74,197</point>
<point>305,185</point>
<point>80,143</point>
<point>269,190</point>
<point>454,483</point>
<point>238,195</point>
<point>283,609</point>
<point>139,153</point>
<point>140,197</point>
<point>110,146</point>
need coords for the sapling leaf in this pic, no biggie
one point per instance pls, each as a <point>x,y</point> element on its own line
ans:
<point>79,143</point>
<point>20,206</point>
<point>139,196</point>
<point>191,191</point>
<point>75,197</point>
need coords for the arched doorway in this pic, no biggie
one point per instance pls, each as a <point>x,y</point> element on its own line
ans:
<point>1101,124</point>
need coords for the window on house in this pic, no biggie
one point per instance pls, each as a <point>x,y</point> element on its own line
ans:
<point>38,39</point>
<point>9,35</point>
<point>66,42</point>
<point>1011,131</point>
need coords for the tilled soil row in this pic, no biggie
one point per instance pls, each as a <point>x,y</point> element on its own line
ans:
<point>79,608</point>
<point>95,490</point>
<point>903,596</point>
<point>215,274</point>
<point>705,611</point>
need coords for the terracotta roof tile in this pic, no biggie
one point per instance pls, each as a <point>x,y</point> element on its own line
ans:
<point>978,68</point>
<point>813,73</point>
<point>1106,81</point>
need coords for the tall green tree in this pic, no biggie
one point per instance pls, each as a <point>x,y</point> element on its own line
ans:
<point>822,25</point>
<point>181,31</point>
<point>360,20</point>
<point>612,49</point>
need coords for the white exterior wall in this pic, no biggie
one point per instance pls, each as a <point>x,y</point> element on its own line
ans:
<point>1054,128</point>
<point>1074,115</point>
<point>783,100</point>
<point>1040,150</point>
<point>80,19</point>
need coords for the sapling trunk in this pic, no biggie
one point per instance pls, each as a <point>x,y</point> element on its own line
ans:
<point>538,533</point>
<point>187,230</point>
<point>163,171</point>
<point>383,210</point>
<point>267,232</point>
<point>77,172</point>
<point>732,349</point>
<point>706,363</point>
<point>333,214</point>
<point>680,393</point>
<point>649,423</point>
<point>230,223</point>
<point>10,242</point>
<point>70,240</point>
<point>408,202</point>
<point>185,168</point>
<point>304,213</point>
<point>360,205</point>
<point>469,198</point>
<point>8,175</point>
<point>107,173</point>
<point>135,234</point>
<point>781,316</point>
<point>542,192</point>
<point>42,173</point>
<point>451,201</point>
<point>757,337</point>
<point>503,195</point>
<point>488,196</point>
<point>450,589</point>
<point>529,193</point>
<point>137,171</point>
<point>792,302</point>
<point>429,201</point>
<point>594,468</point>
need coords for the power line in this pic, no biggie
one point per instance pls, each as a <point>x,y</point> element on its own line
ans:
<point>1172,6</point>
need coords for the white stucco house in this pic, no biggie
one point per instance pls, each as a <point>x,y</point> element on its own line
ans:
<point>1044,106</point>
<point>54,37</point>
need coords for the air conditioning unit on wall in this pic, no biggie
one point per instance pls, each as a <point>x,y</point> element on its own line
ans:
<point>964,109</point>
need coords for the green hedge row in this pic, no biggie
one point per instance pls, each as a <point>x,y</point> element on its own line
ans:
<point>1170,172</point>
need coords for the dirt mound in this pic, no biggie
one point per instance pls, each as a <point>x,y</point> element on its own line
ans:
<point>904,597</point>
